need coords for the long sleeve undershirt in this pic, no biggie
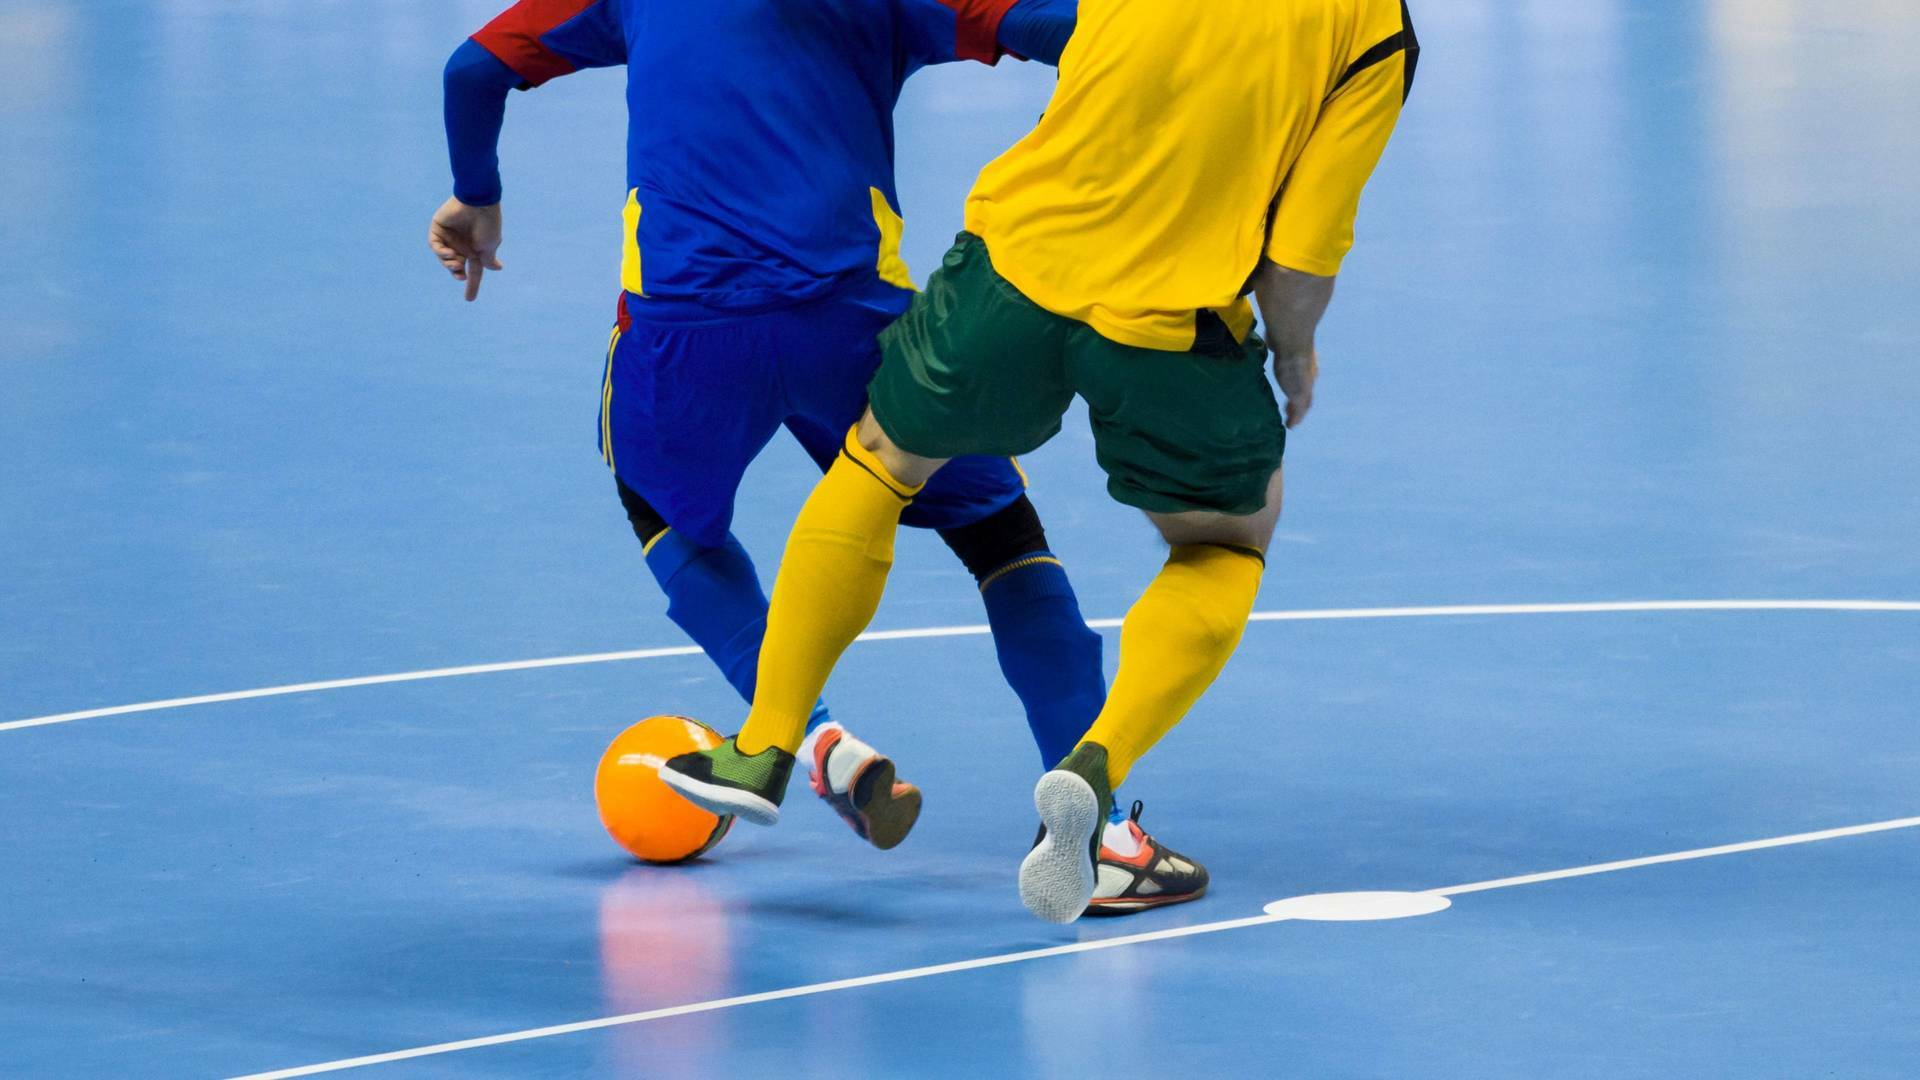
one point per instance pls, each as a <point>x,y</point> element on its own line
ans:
<point>476,84</point>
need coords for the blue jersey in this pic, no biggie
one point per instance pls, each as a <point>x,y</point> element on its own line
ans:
<point>760,132</point>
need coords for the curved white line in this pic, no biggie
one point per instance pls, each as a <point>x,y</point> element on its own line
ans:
<point>1057,950</point>
<point>1311,615</point>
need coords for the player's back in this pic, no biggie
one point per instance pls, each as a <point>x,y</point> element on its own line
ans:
<point>760,132</point>
<point>760,144</point>
<point>1143,196</point>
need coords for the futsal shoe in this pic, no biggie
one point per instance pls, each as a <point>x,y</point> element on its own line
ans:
<point>858,782</point>
<point>1150,875</point>
<point>725,781</point>
<point>1057,877</point>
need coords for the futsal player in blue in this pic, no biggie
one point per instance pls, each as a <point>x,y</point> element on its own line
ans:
<point>761,259</point>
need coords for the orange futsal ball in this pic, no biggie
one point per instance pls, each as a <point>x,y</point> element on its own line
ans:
<point>644,815</point>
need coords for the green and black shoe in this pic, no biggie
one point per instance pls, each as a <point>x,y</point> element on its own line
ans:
<point>1057,877</point>
<point>725,781</point>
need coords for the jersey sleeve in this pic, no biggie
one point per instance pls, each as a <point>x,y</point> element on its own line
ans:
<point>942,31</point>
<point>476,85</point>
<point>1312,225</point>
<point>540,40</point>
<point>527,44</point>
<point>1038,29</point>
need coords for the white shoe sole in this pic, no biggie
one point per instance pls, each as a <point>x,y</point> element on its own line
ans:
<point>718,799</point>
<point>1056,877</point>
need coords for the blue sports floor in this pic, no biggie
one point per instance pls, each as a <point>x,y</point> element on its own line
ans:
<point>1634,317</point>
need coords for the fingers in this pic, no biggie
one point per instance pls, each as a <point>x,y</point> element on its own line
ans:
<point>448,257</point>
<point>1299,400</point>
<point>477,265</point>
<point>446,248</point>
<point>1297,376</point>
<point>466,257</point>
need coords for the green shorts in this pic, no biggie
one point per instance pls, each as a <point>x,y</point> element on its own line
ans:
<point>974,367</point>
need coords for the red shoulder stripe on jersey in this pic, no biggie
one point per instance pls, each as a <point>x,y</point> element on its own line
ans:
<point>514,37</point>
<point>976,31</point>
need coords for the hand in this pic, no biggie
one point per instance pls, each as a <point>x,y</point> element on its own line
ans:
<point>1297,373</point>
<point>464,239</point>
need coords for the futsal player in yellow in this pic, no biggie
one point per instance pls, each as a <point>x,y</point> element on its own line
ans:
<point>1192,154</point>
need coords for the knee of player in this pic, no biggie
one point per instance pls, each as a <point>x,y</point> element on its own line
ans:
<point>1251,532</point>
<point>1258,534</point>
<point>1213,624</point>
<point>1254,531</point>
<point>1206,592</point>
<point>1223,630</point>
<point>646,521</point>
<point>994,546</point>
<point>907,468</point>
<point>826,537</point>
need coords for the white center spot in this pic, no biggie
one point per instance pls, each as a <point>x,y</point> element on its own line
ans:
<point>1358,906</point>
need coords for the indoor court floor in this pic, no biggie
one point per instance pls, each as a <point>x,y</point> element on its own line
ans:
<point>1602,543</point>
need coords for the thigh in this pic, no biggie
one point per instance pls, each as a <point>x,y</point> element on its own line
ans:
<point>684,410</point>
<point>965,490</point>
<point>1253,531</point>
<point>973,367</point>
<point>828,352</point>
<point>1180,432</point>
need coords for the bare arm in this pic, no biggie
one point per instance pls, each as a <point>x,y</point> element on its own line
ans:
<point>1291,304</point>
<point>1312,223</point>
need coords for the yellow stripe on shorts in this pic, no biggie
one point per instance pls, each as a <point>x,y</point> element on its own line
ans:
<point>606,402</point>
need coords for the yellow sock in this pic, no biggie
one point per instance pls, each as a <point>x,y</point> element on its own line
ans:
<point>829,584</point>
<point>1173,644</point>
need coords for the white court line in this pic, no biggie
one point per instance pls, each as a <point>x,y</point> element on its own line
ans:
<point>1679,856</point>
<point>1040,954</point>
<point>966,631</point>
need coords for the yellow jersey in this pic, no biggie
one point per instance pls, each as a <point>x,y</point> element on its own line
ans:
<point>1186,139</point>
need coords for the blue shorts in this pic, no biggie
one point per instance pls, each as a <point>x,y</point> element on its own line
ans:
<point>691,396</point>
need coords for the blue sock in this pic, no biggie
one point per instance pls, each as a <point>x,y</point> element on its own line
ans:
<point>714,595</point>
<point>1048,655</point>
